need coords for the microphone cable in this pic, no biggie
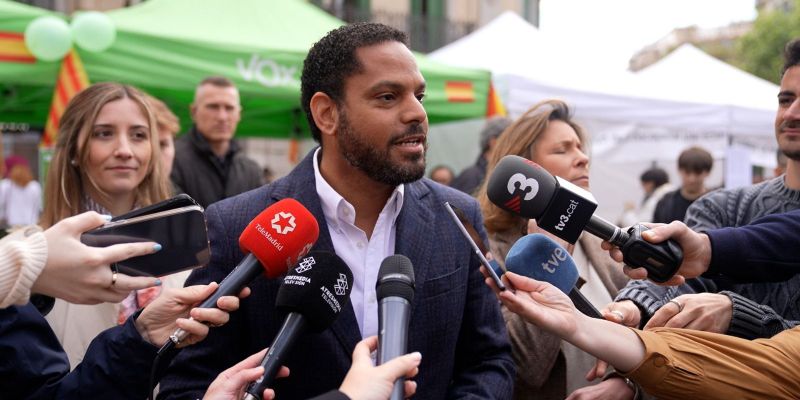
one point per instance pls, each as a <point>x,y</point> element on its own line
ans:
<point>151,383</point>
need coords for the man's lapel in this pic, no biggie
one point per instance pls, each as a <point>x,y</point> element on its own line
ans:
<point>413,238</point>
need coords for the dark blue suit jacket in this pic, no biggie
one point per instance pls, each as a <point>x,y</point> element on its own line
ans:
<point>455,320</point>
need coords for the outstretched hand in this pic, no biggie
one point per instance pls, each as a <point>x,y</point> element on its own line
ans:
<point>542,304</point>
<point>82,274</point>
<point>696,251</point>
<point>367,382</point>
<point>169,311</point>
<point>231,383</point>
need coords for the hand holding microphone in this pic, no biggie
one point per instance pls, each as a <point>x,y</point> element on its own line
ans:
<point>170,309</point>
<point>544,305</point>
<point>364,381</point>
<point>522,187</point>
<point>696,246</point>
<point>312,295</point>
<point>538,257</point>
<point>273,241</point>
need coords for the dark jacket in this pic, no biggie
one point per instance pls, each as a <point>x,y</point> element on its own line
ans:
<point>766,250</point>
<point>198,172</point>
<point>455,319</point>
<point>470,179</point>
<point>34,366</point>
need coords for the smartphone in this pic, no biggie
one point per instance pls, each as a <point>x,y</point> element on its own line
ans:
<point>453,211</point>
<point>181,232</point>
<point>181,200</point>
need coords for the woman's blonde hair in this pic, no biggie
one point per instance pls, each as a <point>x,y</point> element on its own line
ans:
<point>519,139</point>
<point>165,118</point>
<point>66,175</point>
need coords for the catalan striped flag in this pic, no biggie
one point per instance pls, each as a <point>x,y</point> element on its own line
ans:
<point>494,106</point>
<point>12,48</point>
<point>72,79</point>
<point>459,91</point>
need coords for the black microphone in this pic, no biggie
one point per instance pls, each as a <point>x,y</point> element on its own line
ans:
<point>395,290</point>
<point>273,241</point>
<point>313,294</point>
<point>522,187</point>
<point>539,257</point>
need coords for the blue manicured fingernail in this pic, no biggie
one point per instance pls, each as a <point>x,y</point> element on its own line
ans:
<point>158,282</point>
<point>156,247</point>
<point>106,217</point>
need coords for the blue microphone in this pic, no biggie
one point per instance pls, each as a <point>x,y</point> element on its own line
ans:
<point>539,257</point>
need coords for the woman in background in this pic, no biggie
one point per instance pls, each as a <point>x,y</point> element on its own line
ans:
<point>548,368</point>
<point>105,160</point>
<point>20,194</point>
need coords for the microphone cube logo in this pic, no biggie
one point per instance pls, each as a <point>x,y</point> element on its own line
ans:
<point>551,264</point>
<point>283,223</point>
<point>305,265</point>
<point>341,285</point>
<point>529,186</point>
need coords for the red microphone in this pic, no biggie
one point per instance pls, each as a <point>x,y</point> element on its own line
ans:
<point>274,240</point>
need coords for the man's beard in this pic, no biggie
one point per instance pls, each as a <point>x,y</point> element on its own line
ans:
<point>794,153</point>
<point>376,162</point>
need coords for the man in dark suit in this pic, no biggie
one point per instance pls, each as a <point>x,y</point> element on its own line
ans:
<point>362,92</point>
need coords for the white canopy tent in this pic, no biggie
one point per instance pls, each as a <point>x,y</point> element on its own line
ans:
<point>634,120</point>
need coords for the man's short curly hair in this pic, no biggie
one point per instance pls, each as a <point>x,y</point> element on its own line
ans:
<point>791,55</point>
<point>332,59</point>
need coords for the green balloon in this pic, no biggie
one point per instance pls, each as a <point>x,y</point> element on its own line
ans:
<point>93,31</point>
<point>48,38</point>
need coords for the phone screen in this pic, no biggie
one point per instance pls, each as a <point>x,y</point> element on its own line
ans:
<point>180,232</point>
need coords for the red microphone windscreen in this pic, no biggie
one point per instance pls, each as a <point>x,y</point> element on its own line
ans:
<point>279,236</point>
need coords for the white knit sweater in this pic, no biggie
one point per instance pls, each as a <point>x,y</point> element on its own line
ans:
<point>23,255</point>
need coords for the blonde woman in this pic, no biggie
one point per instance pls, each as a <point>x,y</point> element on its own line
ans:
<point>548,368</point>
<point>105,160</point>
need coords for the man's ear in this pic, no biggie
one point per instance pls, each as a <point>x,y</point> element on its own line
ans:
<point>325,113</point>
<point>192,110</point>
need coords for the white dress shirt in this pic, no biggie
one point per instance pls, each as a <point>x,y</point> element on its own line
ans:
<point>363,255</point>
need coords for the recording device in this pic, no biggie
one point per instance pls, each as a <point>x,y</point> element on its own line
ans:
<point>181,200</point>
<point>177,224</point>
<point>273,241</point>
<point>312,295</point>
<point>473,238</point>
<point>522,187</point>
<point>539,257</point>
<point>395,290</point>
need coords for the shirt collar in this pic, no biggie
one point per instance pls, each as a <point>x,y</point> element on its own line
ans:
<point>333,203</point>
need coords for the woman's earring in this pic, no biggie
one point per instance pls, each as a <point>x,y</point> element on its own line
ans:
<point>74,163</point>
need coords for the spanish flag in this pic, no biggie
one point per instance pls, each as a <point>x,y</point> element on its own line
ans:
<point>494,106</point>
<point>72,79</point>
<point>459,91</point>
<point>12,48</point>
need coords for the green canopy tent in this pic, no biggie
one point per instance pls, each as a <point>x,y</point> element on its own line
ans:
<point>167,46</point>
<point>26,87</point>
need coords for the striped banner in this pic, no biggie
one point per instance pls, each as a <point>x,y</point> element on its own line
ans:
<point>459,91</point>
<point>12,48</point>
<point>72,79</point>
<point>494,106</point>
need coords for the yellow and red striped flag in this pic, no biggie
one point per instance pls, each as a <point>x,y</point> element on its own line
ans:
<point>72,79</point>
<point>494,106</point>
<point>12,48</point>
<point>459,91</point>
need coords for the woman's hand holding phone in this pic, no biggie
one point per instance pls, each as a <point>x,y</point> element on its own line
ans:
<point>82,274</point>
